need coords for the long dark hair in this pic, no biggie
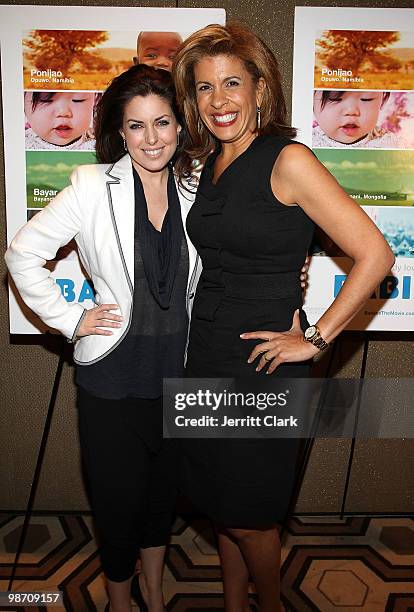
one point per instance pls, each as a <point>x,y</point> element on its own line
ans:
<point>237,40</point>
<point>139,80</point>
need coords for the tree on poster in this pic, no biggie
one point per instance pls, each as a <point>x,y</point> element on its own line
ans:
<point>354,48</point>
<point>60,49</point>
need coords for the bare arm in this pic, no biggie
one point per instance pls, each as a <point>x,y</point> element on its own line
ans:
<point>299,178</point>
<point>305,180</point>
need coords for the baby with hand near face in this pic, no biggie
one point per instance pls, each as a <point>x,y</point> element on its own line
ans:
<point>59,120</point>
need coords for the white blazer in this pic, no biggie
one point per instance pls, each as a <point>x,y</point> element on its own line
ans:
<point>97,210</point>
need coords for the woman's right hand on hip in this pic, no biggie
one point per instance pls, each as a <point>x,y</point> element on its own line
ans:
<point>97,319</point>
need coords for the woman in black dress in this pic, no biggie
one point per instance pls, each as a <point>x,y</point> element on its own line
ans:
<point>259,196</point>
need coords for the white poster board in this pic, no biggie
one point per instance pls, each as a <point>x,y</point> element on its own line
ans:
<point>67,55</point>
<point>353,104</point>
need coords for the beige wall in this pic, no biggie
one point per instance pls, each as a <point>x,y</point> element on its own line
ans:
<point>382,477</point>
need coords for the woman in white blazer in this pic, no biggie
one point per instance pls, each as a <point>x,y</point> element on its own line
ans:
<point>127,216</point>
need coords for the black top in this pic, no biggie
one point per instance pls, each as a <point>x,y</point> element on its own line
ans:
<point>154,345</point>
<point>252,249</point>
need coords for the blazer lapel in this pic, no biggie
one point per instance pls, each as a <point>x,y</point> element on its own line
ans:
<point>186,200</point>
<point>120,189</point>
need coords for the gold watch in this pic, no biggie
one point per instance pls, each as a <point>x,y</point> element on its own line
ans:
<point>313,335</point>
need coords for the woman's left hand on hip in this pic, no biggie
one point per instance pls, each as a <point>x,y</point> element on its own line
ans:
<point>280,347</point>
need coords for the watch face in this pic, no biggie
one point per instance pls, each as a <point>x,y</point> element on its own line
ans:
<point>311,331</point>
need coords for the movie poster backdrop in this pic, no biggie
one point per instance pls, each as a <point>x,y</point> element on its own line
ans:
<point>353,102</point>
<point>56,62</point>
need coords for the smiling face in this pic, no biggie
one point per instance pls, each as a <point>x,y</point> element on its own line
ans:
<point>348,116</point>
<point>60,118</point>
<point>158,49</point>
<point>150,130</point>
<point>227,98</point>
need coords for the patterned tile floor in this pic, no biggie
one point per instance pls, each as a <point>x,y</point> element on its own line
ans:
<point>329,565</point>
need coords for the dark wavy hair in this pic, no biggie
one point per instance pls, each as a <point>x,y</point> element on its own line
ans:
<point>237,40</point>
<point>139,80</point>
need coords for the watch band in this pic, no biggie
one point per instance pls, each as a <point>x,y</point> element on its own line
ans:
<point>320,343</point>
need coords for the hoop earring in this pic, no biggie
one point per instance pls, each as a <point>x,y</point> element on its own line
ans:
<point>125,144</point>
<point>178,139</point>
<point>258,111</point>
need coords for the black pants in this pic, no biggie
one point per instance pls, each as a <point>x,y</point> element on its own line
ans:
<point>131,473</point>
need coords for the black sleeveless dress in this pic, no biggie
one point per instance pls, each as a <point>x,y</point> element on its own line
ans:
<point>252,249</point>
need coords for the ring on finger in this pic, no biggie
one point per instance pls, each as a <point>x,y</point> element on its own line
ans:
<point>266,359</point>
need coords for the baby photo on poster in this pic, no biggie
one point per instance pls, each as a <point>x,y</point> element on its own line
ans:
<point>157,49</point>
<point>60,120</point>
<point>363,119</point>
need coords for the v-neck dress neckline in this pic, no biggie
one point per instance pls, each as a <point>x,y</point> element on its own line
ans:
<point>212,159</point>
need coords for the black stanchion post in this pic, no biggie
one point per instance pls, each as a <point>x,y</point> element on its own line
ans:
<point>39,462</point>
<point>309,443</point>
<point>358,407</point>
